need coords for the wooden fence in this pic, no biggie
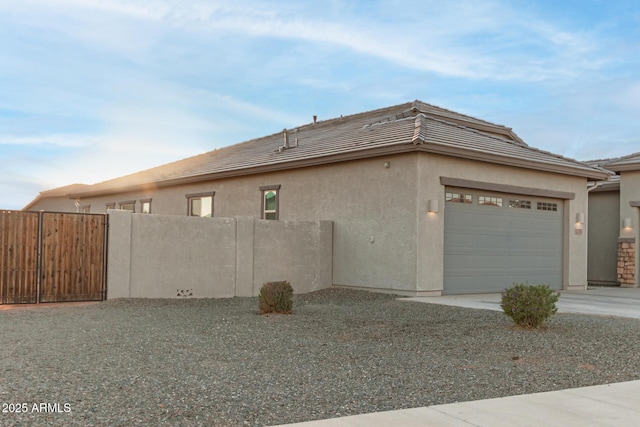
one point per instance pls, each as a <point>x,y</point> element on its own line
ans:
<point>51,257</point>
<point>18,257</point>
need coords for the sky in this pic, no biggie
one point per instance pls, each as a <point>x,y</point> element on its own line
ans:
<point>94,89</point>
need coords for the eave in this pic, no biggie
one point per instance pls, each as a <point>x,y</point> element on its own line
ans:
<point>628,167</point>
<point>363,153</point>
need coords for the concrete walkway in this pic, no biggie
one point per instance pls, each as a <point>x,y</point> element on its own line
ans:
<point>604,405</point>
<point>620,302</point>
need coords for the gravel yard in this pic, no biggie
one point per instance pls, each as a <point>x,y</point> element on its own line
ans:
<point>218,363</point>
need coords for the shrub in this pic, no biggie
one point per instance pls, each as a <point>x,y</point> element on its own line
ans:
<point>276,297</point>
<point>529,305</point>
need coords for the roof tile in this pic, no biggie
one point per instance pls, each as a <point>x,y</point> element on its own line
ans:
<point>431,127</point>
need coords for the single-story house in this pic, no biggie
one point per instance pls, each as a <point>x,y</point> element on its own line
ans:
<point>423,200</point>
<point>613,229</point>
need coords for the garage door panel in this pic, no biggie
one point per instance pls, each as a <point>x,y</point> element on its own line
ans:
<point>488,248</point>
<point>461,241</point>
<point>487,242</point>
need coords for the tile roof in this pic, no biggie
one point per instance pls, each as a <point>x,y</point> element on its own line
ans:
<point>625,163</point>
<point>413,126</point>
<point>63,191</point>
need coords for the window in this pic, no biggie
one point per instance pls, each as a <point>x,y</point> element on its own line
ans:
<point>85,209</point>
<point>110,206</point>
<point>200,204</point>
<point>520,204</point>
<point>145,206</point>
<point>545,206</point>
<point>490,201</point>
<point>458,198</point>
<point>270,202</point>
<point>128,206</point>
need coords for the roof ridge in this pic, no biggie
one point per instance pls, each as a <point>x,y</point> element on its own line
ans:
<point>526,146</point>
<point>479,132</point>
<point>418,102</point>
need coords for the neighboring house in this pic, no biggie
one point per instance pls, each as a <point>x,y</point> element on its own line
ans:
<point>424,200</point>
<point>613,230</point>
<point>57,200</point>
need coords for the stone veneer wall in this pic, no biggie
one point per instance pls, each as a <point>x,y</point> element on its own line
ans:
<point>626,261</point>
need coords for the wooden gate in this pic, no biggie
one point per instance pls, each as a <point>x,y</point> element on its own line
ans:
<point>18,257</point>
<point>51,257</point>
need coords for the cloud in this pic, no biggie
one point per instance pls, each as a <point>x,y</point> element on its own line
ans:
<point>107,87</point>
<point>58,140</point>
<point>432,38</point>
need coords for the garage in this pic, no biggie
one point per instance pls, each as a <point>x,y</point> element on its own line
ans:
<point>492,240</point>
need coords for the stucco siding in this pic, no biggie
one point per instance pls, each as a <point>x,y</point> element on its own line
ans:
<point>199,251</point>
<point>372,206</point>
<point>167,256</point>
<point>629,192</point>
<point>383,236</point>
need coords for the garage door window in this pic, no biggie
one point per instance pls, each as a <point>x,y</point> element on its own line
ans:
<point>490,201</point>
<point>544,206</point>
<point>520,204</point>
<point>458,198</point>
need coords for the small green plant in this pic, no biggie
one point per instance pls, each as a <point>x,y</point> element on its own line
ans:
<point>276,297</point>
<point>529,305</point>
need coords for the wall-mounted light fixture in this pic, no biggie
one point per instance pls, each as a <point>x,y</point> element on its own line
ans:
<point>432,206</point>
<point>626,223</point>
<point>580,218</point>
<point>387,165</point>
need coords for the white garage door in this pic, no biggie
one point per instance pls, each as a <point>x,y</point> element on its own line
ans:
<point>492,240</point>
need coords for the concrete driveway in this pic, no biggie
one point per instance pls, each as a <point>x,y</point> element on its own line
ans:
<point>620,302</point>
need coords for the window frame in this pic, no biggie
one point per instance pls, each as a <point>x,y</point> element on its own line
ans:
<point>142,203</point>
<point>547,206</point>
<point>128,202</point>
<point>458,197</point>
<point>492,201</point>
<point>520,204</point>
<point>111,205</point>
<point>194,196</point>
<point>264,190</point>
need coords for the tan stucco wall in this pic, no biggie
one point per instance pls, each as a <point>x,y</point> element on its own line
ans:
<point>604,228</point>
<point>373,209</point>
<point>168,256</point>
<point>630,192</point>
<point>383,237</point>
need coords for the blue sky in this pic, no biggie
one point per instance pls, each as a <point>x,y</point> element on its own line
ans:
<point>94,89</point>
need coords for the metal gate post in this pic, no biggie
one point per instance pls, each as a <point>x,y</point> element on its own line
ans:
<point>39,259</point>
<point>105,256</point>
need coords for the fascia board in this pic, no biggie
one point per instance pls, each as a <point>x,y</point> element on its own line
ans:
<point>359,154</point>
<point>511,161</point>
<point>364,153</point>
<point>628,167</point>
